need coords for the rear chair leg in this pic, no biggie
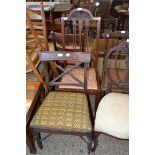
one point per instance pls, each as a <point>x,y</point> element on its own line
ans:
<point>38,139</point>
<point>89,144</point>
<point>30,144</point>
<point>95,140</point>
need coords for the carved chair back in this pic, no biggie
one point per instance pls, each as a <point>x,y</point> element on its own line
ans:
<point>79,23</point>
<point>116,76</point>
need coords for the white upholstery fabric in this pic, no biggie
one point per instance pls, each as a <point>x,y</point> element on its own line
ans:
<point>112,116</point>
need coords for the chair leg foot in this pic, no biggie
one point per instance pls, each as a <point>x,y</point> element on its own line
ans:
<point>95,141</point>
<point>38,139</point>
<point>30,143</point>
<point>33,151</point>
<point>89,144</point>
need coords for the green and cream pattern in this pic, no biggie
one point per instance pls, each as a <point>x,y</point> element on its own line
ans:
<point>63,110</point>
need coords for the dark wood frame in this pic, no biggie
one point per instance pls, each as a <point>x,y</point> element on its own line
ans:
<point>47,57</point>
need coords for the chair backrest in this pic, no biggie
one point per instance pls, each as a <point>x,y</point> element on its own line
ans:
<point>36,27</point>
<point>54,57</point>
<point>116,77</point>
<point>57,42</point>
<point>80,22</point>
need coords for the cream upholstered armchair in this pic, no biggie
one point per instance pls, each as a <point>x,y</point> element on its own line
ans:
<point>112,115</point>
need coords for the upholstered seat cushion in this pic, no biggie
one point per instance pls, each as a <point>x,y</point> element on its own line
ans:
<point>112,116</point>
<point>63,111</point>
<point>79,74</point>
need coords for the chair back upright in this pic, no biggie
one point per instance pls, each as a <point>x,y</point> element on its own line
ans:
<point>78,24</point>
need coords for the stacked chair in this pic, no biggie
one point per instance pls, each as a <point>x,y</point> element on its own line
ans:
<point>36,41</point>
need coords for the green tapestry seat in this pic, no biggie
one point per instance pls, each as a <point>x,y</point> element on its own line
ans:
<point>63,110</point>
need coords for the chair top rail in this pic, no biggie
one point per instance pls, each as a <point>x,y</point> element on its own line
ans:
<point>65,55</point>
<point>80,14</point>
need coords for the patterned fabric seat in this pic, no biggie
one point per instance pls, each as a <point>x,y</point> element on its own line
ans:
<point>63,110</point>
<point>79,74</point>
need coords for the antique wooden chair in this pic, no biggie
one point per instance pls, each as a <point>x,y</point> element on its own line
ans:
<point>78,23</point>
<point>64,112</point>
<point>112,113</point>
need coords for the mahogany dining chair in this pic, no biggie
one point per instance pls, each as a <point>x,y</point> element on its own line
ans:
<point>112,115</point>
<point>64,112</point>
